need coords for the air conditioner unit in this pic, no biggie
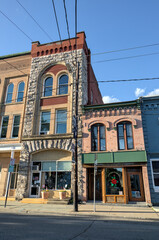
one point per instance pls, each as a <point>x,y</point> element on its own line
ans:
<point>35,168</point>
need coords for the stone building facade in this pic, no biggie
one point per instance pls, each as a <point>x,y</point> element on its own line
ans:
<point>113,143</point>
<point>46,157</point>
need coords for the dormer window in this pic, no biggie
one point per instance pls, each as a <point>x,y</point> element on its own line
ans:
<point>48,82</point>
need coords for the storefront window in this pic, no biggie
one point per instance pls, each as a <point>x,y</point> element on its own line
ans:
<point>114,182</point>
<point>56,175</point>
<point>14,177</point>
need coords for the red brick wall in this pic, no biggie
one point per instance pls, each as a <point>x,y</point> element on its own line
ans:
<point>111,133</point>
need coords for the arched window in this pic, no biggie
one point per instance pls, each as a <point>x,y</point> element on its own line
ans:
<point>20,92</point>
<point>48,86</point>
<point>125,136</point>
<point>9,93</point>
<point>63,85</point>
<point>98,137</point>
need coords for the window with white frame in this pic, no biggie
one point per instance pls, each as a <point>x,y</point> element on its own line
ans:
<point>20,92</point>
<point>63,84</point>
<point>4,126</point>
<point>9,93</point>
<point>61,121</point>
<point>45,122</point>
<point>16,124</point>
<point>155,173</point>
<point>48,82</point>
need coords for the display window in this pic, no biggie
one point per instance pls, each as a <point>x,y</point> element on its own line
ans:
<point>114,181</point>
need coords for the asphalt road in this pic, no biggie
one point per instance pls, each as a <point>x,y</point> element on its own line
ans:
<point>31,227</point>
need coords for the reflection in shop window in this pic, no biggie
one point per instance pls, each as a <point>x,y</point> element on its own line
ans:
<point>114,182</point>
<point>56,175</point>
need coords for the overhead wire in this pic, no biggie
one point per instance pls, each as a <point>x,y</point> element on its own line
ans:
<point>34,20</point>
<point>125,49</point>
<point>56,20</point>
<point>16,25</point>
<point>122,58</point>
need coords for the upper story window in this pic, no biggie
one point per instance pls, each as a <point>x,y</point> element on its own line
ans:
<point>98,142</point>
<point>63,85</point>
<point>61,121</point>
<point>125,136</point>
<point>155,173</point>
<point>9,93</point>
<point>48,82</point>
<point>20,92</point>
<point>4,126</point>
<point>16,124</point>
<point>45,123</point>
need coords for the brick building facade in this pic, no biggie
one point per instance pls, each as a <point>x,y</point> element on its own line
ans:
<point>113,134</point>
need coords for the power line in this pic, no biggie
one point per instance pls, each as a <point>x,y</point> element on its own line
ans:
<point>34,20</point>
<point>116,59</point>
<point>129,80</point>
<point>56,20</point>
<point>126,49</point>
<point>16,25</point>
<point>68,31</point>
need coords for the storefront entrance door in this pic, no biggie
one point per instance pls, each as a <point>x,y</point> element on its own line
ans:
<point>135,186</point>
<point>91,184</point>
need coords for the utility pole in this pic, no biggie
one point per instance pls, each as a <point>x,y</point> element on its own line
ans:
<point>75,192</point>
<point>95,172</point>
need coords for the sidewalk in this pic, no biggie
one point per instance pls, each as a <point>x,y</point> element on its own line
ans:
<point>85,210</point>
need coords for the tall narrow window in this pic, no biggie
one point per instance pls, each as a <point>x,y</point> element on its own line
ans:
<point>48,86</point>
<point>16,124</point>
<point>20,92</point>
<point>125,136</point>
<point>98,137</point>
<point>155,173</point>
<point>45,123</point>
<point>61,121</point>
<point>9,93</point>
<point>63,85</point>
<point>4,127</point>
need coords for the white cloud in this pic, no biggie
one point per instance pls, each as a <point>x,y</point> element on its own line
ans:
<point>108,99</point>
<point>154,92</point>
<point>139,92</point>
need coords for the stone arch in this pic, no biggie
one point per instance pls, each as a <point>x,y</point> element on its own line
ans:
<point>39,145</point>
<point>133,121</point>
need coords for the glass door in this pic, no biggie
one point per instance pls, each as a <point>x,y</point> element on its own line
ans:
<point>135,187</point>
<point>35,180</point>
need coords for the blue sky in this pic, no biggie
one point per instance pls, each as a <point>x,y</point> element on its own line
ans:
<point>108,24</point>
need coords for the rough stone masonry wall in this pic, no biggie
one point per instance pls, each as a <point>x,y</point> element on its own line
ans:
<point>38,67</point>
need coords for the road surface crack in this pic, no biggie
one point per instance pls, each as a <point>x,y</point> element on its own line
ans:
<point>85,230</point>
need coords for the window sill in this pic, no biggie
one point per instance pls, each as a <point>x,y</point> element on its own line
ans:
<point>55,96</point>
<point>12,103</point>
